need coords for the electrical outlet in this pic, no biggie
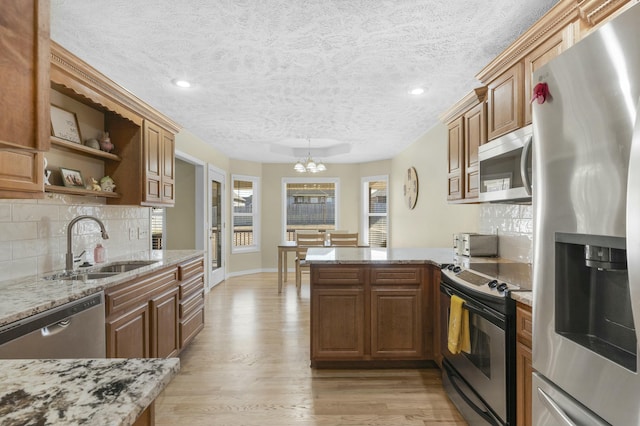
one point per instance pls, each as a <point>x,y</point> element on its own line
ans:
<point>132,233</point>
<point>142,233</point>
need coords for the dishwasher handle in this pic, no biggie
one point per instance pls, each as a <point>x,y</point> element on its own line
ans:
<point>53,329</point>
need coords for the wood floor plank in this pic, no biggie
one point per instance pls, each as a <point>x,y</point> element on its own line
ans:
<point>250,366</point>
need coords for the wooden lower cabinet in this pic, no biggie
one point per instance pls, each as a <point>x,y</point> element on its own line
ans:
<point>338,323</point>
<point>396,328</point>
<point>128,334</point>
<point>164,325</point>
<point>156,315</point>
<point>369,314</point>
<point>524,368</point>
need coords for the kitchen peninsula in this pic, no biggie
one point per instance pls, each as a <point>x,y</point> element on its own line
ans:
<point>374,307</point>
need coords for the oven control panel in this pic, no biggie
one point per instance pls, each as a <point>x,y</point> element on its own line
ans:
<point>478,281</point>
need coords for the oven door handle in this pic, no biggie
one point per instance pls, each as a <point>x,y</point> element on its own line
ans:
<point>485,313</point>
<point>486,415</point>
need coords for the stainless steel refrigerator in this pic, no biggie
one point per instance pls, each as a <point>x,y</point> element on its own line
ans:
<point>586,198</point>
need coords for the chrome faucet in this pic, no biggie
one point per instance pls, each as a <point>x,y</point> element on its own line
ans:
<point>69,256</point>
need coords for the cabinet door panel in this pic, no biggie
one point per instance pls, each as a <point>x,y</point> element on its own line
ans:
<point>168,168</point>
<point>191,326</point>
<point>475,135</point>
<point>337,321</point>
<point>22,171</point>
<point>24,89</point>
<point>164,333</point>
<point>541,55</point>
<point>128,335</point>
<point>455,152</point>
<point>396,323</point>
<point>153,162</point>
<point>524,372</point>
<point>505,102</point>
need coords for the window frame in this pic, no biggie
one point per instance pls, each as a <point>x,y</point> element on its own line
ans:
<point>366,214</point>
<point>255,214</point>
<point>287,180</point>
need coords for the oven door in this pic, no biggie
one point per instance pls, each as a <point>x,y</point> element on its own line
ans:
<point>484,369</point>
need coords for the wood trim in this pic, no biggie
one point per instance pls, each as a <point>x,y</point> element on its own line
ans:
<point>476,96</point>
<point>57,189</point>
<point>43,117</point>
<point>98,88</point>
<point>85,150</point>
<point>595,11</point>
<point>565,12</point>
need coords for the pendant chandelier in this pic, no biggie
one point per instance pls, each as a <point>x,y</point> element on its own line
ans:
<point>309,166</point>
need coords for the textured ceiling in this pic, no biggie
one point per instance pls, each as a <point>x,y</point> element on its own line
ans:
<point>269,74</point>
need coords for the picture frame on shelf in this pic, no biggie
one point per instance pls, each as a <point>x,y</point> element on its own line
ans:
<point>72,178</point>
<point>64,124</point>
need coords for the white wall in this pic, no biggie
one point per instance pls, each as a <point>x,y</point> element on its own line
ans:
<point>433,221</point>
<point>180,219</point>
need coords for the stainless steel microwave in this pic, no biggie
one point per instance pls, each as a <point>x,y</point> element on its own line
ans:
<point>505,167</point>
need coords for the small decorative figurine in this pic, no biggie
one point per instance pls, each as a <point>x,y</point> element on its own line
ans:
<point>107,184</point>
<point>105,143</point>
<point>92,143</point>
<point>95,186</point>
<point>47,173</point>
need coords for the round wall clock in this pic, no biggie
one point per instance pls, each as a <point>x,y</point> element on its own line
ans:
<point>411,187</point>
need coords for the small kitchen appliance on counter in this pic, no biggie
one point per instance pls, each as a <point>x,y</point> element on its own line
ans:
<point>586,276</point>
<point>471,244</point>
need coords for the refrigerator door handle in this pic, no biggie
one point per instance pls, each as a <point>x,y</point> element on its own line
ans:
<point>633,224</point>
<point>524,163</point>
<point>554,408</point>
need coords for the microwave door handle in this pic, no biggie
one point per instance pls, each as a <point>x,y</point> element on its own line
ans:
<point>524,162</point>
<point>555,409</point>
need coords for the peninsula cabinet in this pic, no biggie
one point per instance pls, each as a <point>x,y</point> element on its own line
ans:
<point>467,131</point>
<point>24,97</point>
<point>142,161</point>
<point>370,315</point>
<point>191,309</point>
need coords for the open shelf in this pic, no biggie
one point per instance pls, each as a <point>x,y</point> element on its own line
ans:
<point>83,149</point>
<point>79,191</point>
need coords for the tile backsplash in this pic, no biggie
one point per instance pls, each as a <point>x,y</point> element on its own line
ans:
<point>514,225</point>
<point>33,236</point>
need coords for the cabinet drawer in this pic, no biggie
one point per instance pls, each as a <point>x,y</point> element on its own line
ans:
<point>191,286</point>
<point>190,268</point>
<point>524,324</point>
<point>191,326</point>
<point>136,291</point>
<point>337,275</point>
<point>397,275</point>
<point>191,304</point>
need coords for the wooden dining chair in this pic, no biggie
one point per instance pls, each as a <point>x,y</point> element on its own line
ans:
<point>343,239</point>
<point>305,240</point>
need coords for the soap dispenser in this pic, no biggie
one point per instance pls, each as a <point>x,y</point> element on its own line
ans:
<point>99,254</point>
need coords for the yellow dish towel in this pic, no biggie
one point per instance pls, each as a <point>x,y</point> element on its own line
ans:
<point>459,338</point>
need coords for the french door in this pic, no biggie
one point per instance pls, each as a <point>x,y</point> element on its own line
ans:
<point>217,222</point>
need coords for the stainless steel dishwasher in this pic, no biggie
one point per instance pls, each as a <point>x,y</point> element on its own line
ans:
<point>73,330</point>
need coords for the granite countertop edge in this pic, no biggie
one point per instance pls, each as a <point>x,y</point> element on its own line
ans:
<point>24,297</point>
<point>81,391</point>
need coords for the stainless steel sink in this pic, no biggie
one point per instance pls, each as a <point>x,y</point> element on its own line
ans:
<point>81,276</point>
<point>119,267</point>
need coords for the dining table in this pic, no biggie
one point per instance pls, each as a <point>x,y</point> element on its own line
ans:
<point>284,248</point>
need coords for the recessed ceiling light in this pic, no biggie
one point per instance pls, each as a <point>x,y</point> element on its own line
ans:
<point>417,91</point>
<point>181,83</point>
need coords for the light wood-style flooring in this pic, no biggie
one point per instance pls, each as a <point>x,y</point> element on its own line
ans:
<point>250,366</point>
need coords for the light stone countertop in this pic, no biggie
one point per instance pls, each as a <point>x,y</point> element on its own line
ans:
<point>81,392</point>
<point>433,256</point>
<point>28,296</point>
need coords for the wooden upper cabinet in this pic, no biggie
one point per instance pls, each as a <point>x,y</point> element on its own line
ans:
<point>24,97</point>
<point>455,159</point>
<point>546,51</point>
<point>467,130</point>
<point>475,131</point>
<point>505,102</point>
<point>24,88</point>
<point>159,158</point>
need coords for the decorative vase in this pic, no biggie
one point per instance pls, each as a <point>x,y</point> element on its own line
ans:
<point>105,143</point>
